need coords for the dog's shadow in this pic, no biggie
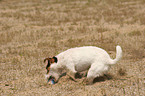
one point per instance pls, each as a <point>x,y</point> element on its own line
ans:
<point>98,79</point>
<point>103,78</point>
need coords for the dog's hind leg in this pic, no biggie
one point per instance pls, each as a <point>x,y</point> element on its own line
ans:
<point>94,71</point>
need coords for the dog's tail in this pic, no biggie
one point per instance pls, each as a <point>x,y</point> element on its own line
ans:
<point>118,55</point>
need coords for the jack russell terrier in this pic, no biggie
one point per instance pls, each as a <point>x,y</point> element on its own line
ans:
<point>74,60</point>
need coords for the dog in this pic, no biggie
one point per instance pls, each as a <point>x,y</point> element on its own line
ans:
<point>96,60</point>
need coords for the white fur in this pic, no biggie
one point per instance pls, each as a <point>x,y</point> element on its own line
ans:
<point>93,59</point>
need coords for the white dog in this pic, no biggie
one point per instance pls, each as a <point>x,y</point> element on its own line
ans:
<point>93,59</point>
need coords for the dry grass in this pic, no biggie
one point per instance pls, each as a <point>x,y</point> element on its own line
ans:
<point>31,30</point>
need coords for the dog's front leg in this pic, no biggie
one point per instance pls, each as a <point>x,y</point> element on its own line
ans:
<point>72,76</point>
<point>71,72</point>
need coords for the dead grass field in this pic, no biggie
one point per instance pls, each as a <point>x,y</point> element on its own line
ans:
<point>31,30</point>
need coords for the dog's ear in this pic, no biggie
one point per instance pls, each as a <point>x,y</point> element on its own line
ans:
<point>55,59</point>
<point>51,60</point>
<point>46,59</point>
<point>48,63</point>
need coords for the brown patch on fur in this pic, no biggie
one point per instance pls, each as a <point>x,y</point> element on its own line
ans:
<point>48,70</point>
<point>46,59</point>
<point>50,61</point>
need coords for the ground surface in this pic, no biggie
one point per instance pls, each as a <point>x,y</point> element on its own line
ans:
<point>31,30</point>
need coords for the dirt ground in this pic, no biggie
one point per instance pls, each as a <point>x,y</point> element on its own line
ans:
<point>31,30</point>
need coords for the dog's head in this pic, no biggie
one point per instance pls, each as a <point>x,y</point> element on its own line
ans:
<point>51,68</point>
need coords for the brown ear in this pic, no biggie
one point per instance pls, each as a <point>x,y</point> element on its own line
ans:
<point>46,59</point>
<point>48,63</point>
<point>51,60</point>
